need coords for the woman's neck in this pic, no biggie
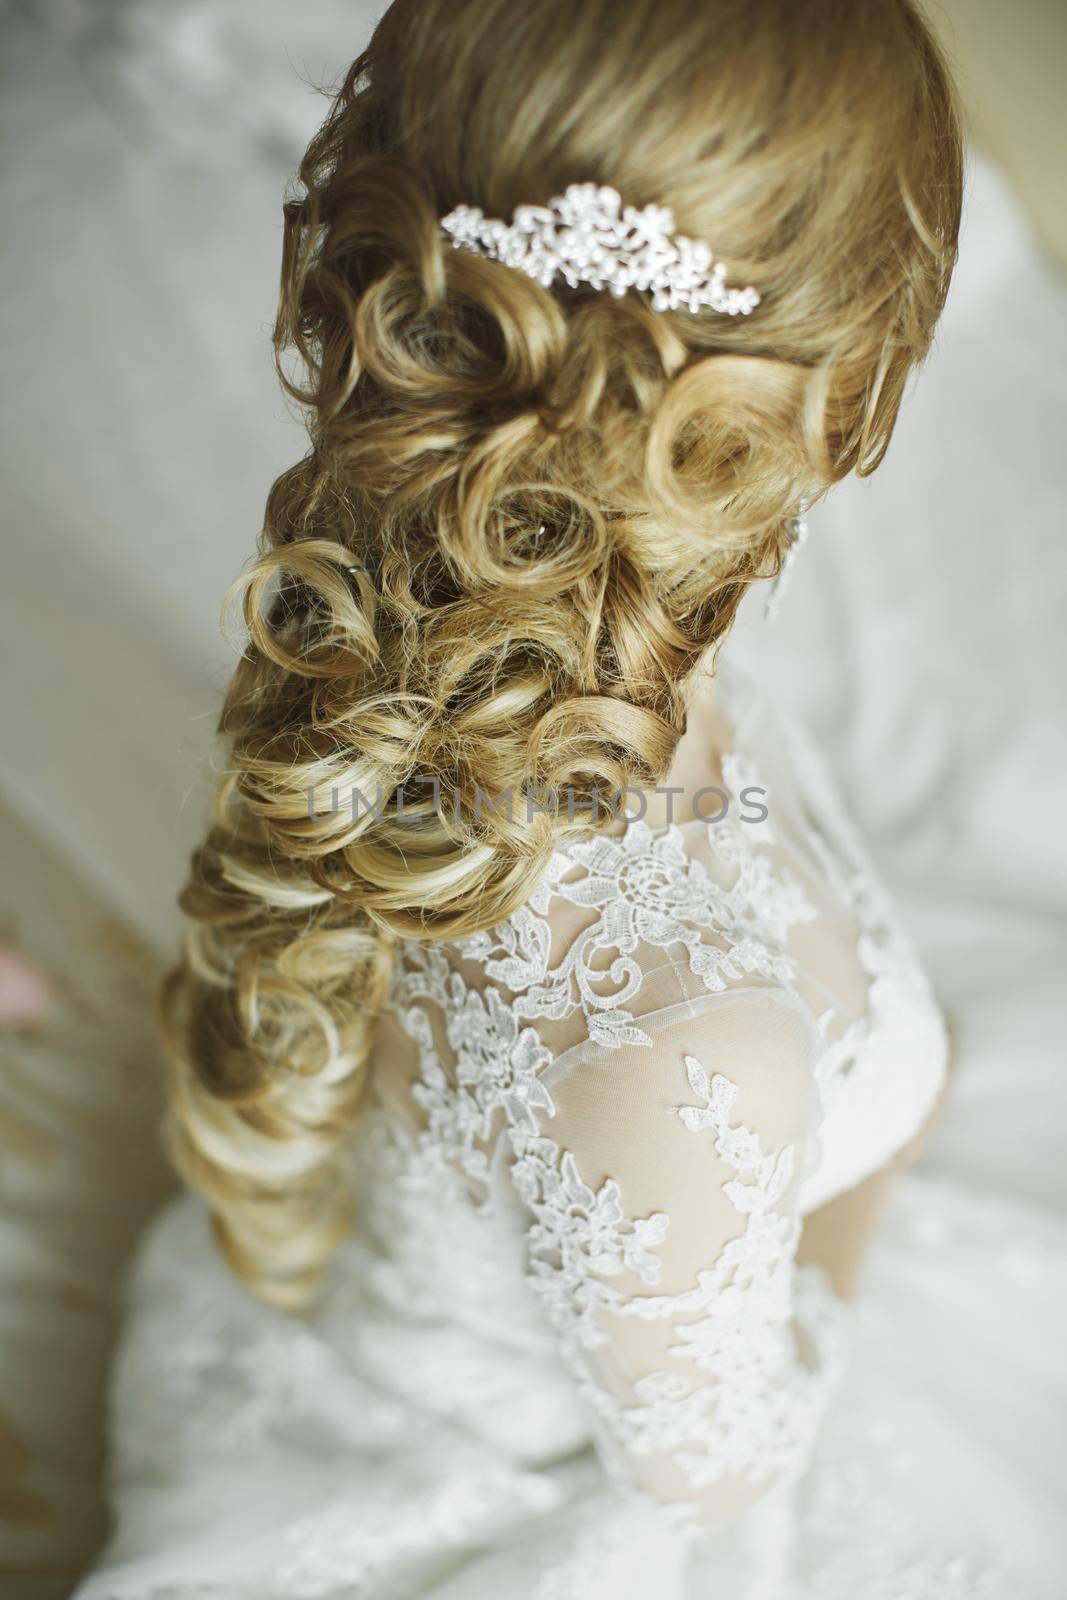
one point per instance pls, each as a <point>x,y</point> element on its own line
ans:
<point>697,762</point>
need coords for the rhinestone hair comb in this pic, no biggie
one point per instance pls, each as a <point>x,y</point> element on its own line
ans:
<point>588,236</point>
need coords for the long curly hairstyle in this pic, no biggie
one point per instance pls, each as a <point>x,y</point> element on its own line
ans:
<point>526,514</point>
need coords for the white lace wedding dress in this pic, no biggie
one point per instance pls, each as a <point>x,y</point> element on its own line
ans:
<point>569,1350</point>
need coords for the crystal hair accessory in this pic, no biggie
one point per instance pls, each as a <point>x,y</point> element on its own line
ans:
<point>588,236</point>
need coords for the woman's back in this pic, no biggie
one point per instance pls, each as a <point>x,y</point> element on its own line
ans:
<point>690,1037</point>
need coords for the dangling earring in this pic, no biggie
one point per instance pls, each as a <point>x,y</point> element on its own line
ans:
<point>796,531</point>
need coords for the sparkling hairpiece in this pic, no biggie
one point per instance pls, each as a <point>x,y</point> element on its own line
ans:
<point>589,236</point>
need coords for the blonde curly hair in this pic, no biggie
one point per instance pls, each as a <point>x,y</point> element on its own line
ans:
<point>526,515</point>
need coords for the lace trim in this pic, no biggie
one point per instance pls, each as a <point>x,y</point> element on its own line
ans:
<point>647,889</point>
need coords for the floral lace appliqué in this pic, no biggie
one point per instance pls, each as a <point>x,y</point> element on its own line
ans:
<point>647,889</point>
<point>756,1406</point>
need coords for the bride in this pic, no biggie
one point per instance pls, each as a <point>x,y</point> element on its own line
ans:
<point>544,1045</point>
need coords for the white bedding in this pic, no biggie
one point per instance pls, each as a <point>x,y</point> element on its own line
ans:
<point>922,634</point>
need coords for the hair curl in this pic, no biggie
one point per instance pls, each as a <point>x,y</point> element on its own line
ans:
<point>526,514</point>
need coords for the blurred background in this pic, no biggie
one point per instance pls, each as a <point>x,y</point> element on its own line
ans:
<point>145,148</point>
